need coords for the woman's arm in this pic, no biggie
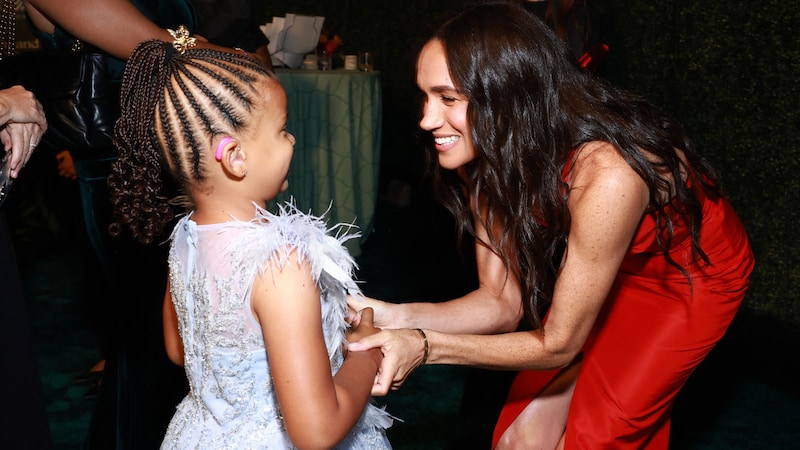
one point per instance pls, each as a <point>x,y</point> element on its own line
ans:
<point>606,204</point>
<point>318,409</point>
<point>494,307</point>
<point>172,337</point>
<point>115,26</point>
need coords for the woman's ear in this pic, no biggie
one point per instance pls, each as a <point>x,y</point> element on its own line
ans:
<point>232,157</point>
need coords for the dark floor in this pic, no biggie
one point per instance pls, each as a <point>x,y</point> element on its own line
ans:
<point>743,397</point>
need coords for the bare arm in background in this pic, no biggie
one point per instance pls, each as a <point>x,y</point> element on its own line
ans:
<point>115,26</point>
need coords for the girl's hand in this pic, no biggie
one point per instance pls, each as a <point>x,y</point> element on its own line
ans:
<point>362,326</point>
<point>381,313</point>
<point>403,351</point>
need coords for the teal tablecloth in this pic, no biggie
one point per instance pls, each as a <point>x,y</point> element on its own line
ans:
<point>336,118</point>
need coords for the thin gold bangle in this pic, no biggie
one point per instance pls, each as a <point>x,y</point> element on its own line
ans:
<point>425,343</point>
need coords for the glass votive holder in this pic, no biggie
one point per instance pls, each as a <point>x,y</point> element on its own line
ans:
<point>366,61</point>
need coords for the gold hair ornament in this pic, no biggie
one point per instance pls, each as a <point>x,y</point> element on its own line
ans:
<point>183,39</point>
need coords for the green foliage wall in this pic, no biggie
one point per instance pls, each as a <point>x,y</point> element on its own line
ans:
<point>729,71</point>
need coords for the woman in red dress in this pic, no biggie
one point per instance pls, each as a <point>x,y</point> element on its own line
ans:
<point>594,218</point>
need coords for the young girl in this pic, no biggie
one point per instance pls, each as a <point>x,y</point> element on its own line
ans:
<point>256,305</point>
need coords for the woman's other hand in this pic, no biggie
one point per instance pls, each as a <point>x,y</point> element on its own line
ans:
<point>381,310</point>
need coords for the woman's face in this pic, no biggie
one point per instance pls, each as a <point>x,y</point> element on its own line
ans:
<point>444,113</point>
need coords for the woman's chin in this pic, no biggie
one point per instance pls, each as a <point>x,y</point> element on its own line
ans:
<point>452,161</point>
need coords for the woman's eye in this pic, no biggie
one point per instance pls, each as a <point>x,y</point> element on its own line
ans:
<point>448,100</point>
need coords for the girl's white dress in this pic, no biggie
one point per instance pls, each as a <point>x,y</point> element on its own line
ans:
<point>231,402</point>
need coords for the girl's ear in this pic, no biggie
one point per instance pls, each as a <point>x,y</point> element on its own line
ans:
<point>223,145</point>
<point>232,157</point>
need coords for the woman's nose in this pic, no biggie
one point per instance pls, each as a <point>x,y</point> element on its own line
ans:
<point>431,118</point>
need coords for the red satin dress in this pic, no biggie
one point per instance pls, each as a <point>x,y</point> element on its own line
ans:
<point>653,331</point>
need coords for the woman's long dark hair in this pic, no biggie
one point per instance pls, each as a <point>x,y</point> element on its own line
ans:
<point>172,107</point>
<point>530,107</point>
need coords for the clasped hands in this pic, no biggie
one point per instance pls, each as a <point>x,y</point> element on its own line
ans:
<point>23,124</point>
<point>402,349</point>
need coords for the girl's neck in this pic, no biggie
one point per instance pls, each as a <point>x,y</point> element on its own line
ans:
<point>228,213</point>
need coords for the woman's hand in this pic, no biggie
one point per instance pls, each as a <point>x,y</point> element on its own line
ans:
<point>403,351</point>
<point>23,122</point>
<point>381,310</point>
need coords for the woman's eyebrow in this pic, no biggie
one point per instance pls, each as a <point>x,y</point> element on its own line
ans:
<point>443,89</point>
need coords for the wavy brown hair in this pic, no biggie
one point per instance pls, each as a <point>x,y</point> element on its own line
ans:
<point>172,107</point>
<point>530,107</point>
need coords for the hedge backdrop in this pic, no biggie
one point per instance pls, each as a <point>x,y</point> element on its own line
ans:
<point>728,71</point>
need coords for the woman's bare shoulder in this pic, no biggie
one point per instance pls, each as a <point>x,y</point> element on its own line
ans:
<point>600,167</point>
<point>597,159</point>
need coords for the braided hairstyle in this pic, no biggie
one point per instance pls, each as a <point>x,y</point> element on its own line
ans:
<point>172,107</point>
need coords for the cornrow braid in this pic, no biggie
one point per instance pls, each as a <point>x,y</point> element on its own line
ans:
<point>171,108</point>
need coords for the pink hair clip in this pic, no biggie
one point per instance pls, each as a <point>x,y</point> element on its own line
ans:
<point>222,143</point>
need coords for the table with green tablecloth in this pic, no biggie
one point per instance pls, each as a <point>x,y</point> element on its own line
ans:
<point>336,118</point>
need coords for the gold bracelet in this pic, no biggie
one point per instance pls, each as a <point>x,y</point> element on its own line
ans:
<point>427,346</point>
